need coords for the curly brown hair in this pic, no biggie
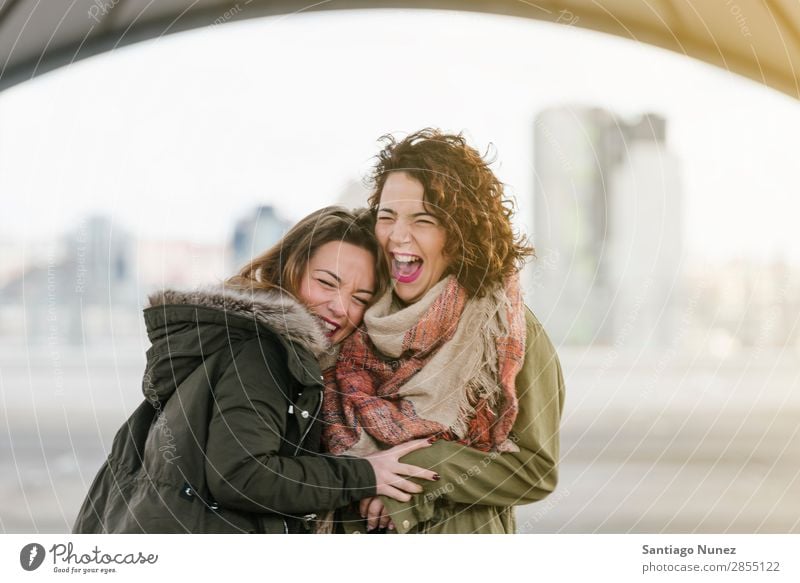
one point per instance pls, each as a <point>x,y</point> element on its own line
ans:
<point>462,191</point>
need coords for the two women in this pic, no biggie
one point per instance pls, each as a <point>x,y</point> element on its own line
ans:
<point>226,440</point>
<point>227,437</point>
<point>450,353</point>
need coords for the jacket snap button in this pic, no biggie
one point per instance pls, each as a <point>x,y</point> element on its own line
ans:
<point>356,532</point>
<point>406,524</point>
<point>187,491</point>
<point>304,414</point>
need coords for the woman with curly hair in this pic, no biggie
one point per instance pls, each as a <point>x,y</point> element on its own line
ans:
<point>451,353</point>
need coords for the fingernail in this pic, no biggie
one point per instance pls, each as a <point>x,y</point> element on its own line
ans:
<point>436,477</point>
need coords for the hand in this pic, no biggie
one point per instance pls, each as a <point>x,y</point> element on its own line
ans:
<point>375,512</point>
<point>390,473</point>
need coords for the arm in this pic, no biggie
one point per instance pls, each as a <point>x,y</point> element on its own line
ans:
<point>248,425</point>
<point>470,476</point>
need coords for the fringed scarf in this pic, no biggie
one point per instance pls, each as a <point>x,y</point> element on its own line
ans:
<point>444,366</point>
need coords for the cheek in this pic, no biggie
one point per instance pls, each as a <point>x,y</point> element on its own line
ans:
<point>382,234</point>
<point>442,263</point>
<point>443,253</point>
<point>302,291</point>
<point>356,315</point>
<point>443,246</point>
<point>435,245</point>
<point>309,293</point>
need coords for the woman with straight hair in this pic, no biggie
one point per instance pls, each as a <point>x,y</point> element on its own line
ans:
<point>227,438</point>
<point>450,353</point>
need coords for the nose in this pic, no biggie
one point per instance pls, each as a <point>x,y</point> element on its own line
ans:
<point>338,305</point>
<point>399,233</point>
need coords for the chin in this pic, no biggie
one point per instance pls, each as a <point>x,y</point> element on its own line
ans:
<point>407,296</point>
<point>339,339</point>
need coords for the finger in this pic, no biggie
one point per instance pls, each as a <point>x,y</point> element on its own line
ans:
<point>391,525</point>
<point>384,518</point>
<point>410,446</point>
<point>417,472</point>
<point>396,494</point>
<point>372,521</point>
<point>378,509</point>
<point>406,485</point>
<point>374,513</point>
<point>363,505</point>
<point>375,506</point>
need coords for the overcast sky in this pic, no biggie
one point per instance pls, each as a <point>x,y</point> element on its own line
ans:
<point>178,137</point>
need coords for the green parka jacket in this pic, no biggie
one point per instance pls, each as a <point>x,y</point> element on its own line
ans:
<point>478,490</point>
<point>226,440</point>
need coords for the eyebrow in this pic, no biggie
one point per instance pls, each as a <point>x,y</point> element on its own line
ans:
<point>339,281</point>
<point>413,215</point>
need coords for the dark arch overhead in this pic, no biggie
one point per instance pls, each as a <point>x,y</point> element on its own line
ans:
<point>759,39</point>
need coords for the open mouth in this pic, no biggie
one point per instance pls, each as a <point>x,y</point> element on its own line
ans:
<point>329,326</point>
<point>406,267</point>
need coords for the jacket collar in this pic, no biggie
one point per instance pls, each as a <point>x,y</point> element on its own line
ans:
<point>275,310</point>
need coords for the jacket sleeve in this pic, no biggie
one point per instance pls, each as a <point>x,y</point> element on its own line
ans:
<point>247,426</point>
<point>470,476</point>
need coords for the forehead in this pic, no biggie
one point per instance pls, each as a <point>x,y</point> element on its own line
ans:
<point>349,262</point>
<point>401,189</point>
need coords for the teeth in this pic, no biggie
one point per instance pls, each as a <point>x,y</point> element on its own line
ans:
<point>403,258</point>
<point>328,325</point>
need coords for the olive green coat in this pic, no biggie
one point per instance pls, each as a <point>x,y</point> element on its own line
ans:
<point>478,490</point>
<point>227,436</point>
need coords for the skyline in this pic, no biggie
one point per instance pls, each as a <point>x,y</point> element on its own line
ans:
<point>92,289</point>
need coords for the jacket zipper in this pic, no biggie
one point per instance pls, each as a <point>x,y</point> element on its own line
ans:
<point>316,414</point>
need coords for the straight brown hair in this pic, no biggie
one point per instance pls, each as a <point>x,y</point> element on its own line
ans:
<point>282,266</point>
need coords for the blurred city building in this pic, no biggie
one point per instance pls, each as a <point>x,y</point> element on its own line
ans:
<point>608,220</point>
<point>90,284</point>
<point>82,287</point>
<point>255,233</point>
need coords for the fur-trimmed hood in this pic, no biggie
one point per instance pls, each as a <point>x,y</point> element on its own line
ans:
<point>187,327</point>
<point>278,311</point>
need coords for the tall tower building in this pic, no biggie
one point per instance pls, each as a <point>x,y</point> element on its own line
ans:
<point>608,224</point>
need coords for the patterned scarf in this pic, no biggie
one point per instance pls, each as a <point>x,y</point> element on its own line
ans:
<point>444,366</point>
